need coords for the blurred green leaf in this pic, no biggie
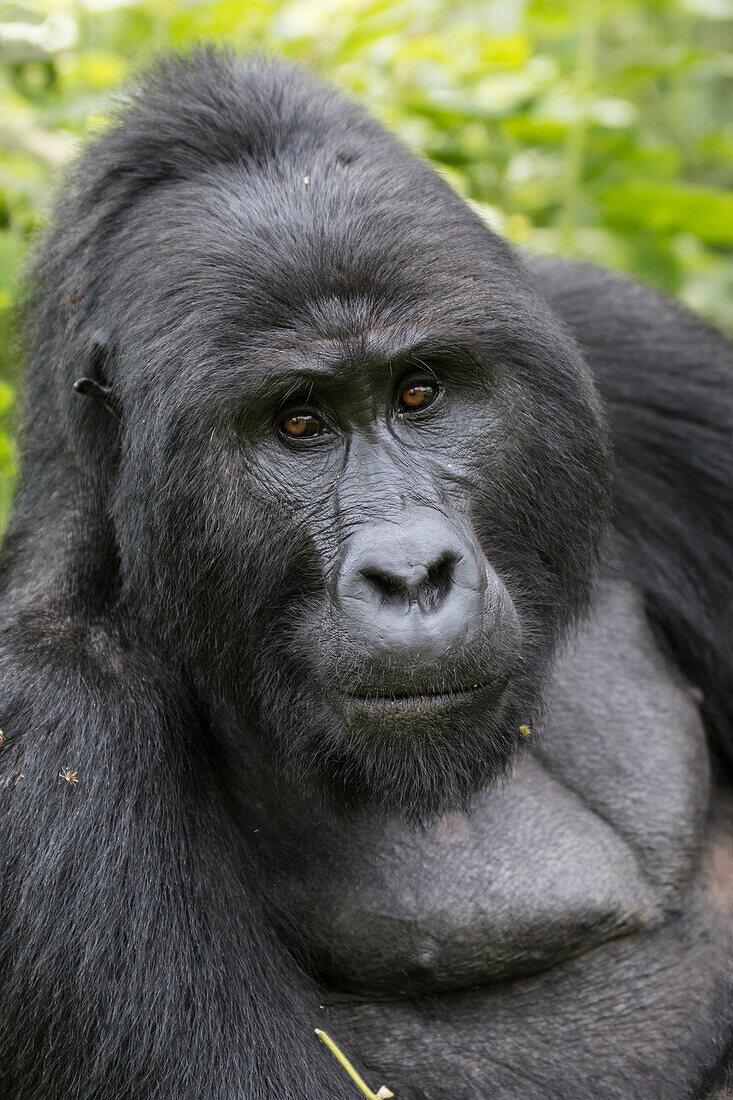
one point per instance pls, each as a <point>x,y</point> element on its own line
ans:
<point>702,212</point>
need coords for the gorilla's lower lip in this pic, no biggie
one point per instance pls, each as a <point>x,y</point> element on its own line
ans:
<point>410,701</point>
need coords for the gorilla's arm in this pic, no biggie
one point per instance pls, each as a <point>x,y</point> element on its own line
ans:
<point>133,958</point>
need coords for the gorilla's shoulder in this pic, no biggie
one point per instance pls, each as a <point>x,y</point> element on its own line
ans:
<point>666,380</point>
<point>611,313</point>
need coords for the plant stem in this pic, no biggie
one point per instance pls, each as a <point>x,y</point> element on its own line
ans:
<point>355,1077</point>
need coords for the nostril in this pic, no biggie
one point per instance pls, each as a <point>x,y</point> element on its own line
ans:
<point>437,583</point>
<point>389,588</point>
<point>426,586</point>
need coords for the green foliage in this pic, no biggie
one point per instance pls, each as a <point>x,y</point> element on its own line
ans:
<point>597,129</point>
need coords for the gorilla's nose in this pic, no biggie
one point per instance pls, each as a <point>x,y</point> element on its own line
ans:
<point>413,590</point>
<point>407,582</point>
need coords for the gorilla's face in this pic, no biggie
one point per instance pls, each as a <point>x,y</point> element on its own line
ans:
<point>367,500</point>
<point>404,635</point>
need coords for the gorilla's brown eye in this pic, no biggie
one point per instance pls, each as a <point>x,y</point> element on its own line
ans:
<point>417,394</point>
<point>301,425</point>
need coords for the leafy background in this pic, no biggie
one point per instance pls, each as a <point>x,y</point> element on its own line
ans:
<point>597,128</point>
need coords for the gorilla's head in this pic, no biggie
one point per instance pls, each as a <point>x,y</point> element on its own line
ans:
<point>361,474</point>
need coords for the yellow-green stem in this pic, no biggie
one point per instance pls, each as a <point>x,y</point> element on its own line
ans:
<point>344,1061</point>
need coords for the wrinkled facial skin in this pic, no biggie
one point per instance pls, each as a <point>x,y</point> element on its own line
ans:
<point>404,630</point>
<point>400,492</point>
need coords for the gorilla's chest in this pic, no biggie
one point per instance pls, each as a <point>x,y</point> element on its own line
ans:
<point>592,837</point>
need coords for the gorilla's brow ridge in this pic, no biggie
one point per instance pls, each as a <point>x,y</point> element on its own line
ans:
<point>334,364</point>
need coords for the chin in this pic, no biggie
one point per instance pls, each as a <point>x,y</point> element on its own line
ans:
<point>404,754</point>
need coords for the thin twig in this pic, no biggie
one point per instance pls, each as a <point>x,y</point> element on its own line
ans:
<point>383,1094</point>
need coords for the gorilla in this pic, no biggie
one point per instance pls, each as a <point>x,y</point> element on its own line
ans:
<point>367,637</point>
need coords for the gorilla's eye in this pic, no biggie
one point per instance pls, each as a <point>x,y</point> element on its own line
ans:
<point>416,394</point>
<point>302,425</point>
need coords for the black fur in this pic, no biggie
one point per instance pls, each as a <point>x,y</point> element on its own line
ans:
<point>152,611</point>
<point>667,383</point>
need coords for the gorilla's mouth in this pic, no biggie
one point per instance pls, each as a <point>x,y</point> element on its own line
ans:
<point>413,702</point>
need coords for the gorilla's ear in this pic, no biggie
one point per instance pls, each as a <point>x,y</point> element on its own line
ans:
<point>96,384</point>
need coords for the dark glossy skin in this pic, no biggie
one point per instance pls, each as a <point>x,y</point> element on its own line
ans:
<point>366,655</point>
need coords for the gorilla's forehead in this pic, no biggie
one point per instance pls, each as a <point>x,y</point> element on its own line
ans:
<point>273,243</point>
<point>256,280</point>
